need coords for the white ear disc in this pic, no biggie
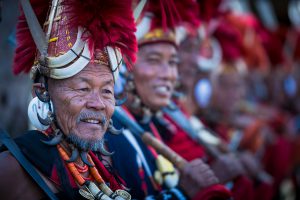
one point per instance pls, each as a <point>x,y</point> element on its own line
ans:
<point>36,106</point>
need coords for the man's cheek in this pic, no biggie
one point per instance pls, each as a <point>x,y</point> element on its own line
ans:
<point>67,121</point>
<point>110,110</point>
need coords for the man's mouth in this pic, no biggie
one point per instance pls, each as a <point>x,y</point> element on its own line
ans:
<point>91,121</point>
<point>162,89</point>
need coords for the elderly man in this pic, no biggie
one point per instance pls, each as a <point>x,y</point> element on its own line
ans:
<point>74,73</point>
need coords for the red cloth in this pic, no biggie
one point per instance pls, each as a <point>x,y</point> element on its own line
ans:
<point>106,175</point>
<point>264,191</point>
<point>243,189</point>
<point>54,177</point>
<point>182,144</point>
<point>223,131</point>
<point>277,160</point>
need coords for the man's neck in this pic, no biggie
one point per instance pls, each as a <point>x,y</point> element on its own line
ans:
<point>68,150</point>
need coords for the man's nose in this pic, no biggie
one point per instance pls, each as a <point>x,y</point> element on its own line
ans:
<point>95,102</point>
<point>168,72</point>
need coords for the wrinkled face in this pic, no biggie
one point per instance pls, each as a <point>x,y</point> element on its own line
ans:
<point>155,74</point>
<point>84,103</point>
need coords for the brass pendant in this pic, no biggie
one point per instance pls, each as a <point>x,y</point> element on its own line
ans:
<point>86,194</point>
<point>124,194</point>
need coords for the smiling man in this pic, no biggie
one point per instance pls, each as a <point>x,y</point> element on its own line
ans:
<point>150,86</point>
<point>157,81</point>
<point>74,69</point>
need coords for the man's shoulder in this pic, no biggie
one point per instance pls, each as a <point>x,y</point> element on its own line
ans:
<point>31,145</point>
<point>14,182</point>
<point>10,171</point>
<point>8,163</point>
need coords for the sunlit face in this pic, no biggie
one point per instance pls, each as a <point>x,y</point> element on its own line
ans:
<point>84,103</point>
<point>155,74</point>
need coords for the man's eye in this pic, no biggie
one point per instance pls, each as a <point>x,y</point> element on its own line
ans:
<point>153,60</point>
<point>84,89</point>
<point>174,63</point>
<point>106,91</point>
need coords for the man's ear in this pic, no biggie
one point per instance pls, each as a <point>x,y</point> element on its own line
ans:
<point>39,87</point>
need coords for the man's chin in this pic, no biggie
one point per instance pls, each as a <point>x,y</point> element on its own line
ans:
<point>159,105</point>
<point>89,128</point>
<point>86,142</point>
<point>90,131</point>
<point>91,139</point>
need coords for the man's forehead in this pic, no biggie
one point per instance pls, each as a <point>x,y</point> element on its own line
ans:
<point>107,80</point>
<point>158,49</point>
<point>92,66</point>
<point>94,71</point>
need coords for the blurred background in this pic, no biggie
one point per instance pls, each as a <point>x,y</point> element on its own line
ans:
<point>14,90</point>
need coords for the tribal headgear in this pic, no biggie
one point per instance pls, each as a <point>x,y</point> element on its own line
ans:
<point>158,23</point>
<point>199,19</point>
<point>190,22</point>
<point>231,42</point>
<point>73,33</point>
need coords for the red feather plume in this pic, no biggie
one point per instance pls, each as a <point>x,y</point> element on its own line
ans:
<point>109,23</point>
<point>188,11</point>
<point>166,15</point>
<point>230,40</point>
<point>209,9</point>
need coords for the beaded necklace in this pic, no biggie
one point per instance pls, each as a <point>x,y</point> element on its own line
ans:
<point>91,190</point>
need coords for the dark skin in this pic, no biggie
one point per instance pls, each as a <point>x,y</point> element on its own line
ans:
<point>91,90</point>
<point>15,182</point>
<point>195,176</point>
<point>227,167</point>
<point>155,74</point>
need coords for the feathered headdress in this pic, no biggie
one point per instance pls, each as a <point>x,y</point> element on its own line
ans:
<point>158,22</point>
<point>26,49</point>
<point>81,31</point>
<point>230,40</point>
<point>190,21</point>
<point>108,23</point>
<point>209,9</point>
<point>189,12</point>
